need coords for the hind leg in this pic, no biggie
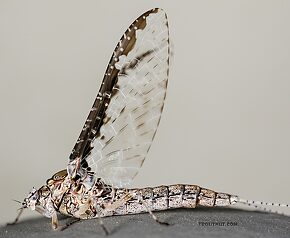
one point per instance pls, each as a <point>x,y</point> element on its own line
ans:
<point>153,215</point>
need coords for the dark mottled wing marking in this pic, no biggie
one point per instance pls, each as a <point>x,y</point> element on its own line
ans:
<point>124,118</point>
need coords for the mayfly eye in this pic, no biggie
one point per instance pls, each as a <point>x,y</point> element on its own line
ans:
<point>44,191</point>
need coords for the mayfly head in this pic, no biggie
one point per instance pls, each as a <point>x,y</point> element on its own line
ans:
<point>40,201</point>
<point>31,200</point>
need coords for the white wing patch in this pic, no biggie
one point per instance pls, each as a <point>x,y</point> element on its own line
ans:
<point>135,108</point>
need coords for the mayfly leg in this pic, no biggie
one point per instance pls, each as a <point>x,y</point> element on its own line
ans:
<point>17,218</point>
<point>153,215</point>
<point>54,221</point>
<point>101,223</point>
<point>111,207</point>
<point>69,224</point>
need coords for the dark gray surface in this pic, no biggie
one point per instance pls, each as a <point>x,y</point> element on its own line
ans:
<point>184,223</point>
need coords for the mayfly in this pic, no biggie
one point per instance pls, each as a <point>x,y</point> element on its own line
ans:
<point>117,136</point>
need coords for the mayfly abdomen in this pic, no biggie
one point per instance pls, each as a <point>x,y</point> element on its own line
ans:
<point>169,197</point>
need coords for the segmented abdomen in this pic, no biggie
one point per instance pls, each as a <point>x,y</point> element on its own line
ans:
<point>168,197</point>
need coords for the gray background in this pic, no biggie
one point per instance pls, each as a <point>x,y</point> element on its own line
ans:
<point>226,120</point>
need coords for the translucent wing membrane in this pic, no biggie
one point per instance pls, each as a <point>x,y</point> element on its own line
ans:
<point>123,121</point>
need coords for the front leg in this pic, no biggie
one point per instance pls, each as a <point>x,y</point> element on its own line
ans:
<point>17,218</point>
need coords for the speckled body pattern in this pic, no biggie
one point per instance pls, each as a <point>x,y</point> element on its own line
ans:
<point>103,200</point>
<point>168,197</point>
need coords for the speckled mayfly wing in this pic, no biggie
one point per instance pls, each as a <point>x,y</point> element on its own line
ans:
<point>122,123</point>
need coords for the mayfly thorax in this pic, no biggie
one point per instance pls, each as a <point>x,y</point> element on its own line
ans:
<point>117,136</point>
